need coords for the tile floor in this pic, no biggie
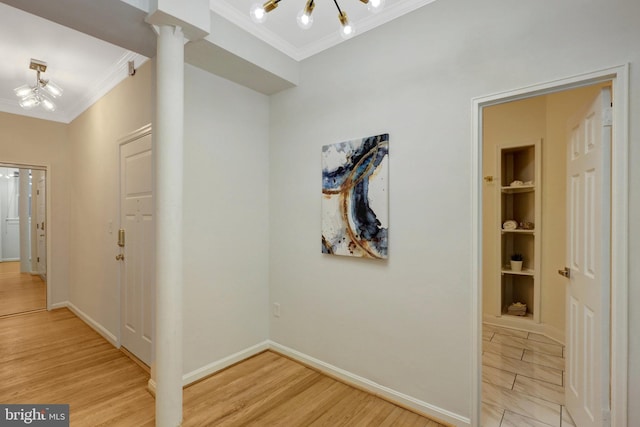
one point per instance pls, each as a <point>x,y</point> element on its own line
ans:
<point>522,379</point>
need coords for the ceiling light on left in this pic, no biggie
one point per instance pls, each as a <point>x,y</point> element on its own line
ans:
<point>41,92</point>
<point>259,11</point>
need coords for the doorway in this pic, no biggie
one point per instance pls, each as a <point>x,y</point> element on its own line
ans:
<point>136,241</point>
<point>513,330</point>
<point>23,285</point>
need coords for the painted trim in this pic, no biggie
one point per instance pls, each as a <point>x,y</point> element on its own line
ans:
<point>619,247</point>
<point>372,387</point>
<point>94,324</point>
<point>512,322</point>
<point>49,175</point>
<point>218,365</point>
<point>151,387</point>
<point>242,20</point>
<point>113,75</point>
<point>619,227</point>
<point>58,305</point>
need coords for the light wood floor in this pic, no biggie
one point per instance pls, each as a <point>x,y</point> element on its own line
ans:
<point>20,292</point>
<point>53,357</point>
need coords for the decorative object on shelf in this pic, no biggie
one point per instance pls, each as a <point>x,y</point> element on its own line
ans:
<point>355,199</point>
<point>259,13</point>
<point>516,262</point>
<point>516,183</point>
<point>528,183</point>
<point>517,309</point>
<point>527,225</point>
<point>510,225</point>
<point>41,92</point>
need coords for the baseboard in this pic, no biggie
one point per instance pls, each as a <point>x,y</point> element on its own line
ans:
<point>94,325</point>
<point>151,387</point>
<point>554,333</point>
<point>411,403</point>
<point>58,305</point>
<point>514,322</point>
<point>218,365</point>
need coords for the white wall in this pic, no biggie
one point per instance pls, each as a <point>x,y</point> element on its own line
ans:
<point>95,166</point>
<point>225,210</point>
<point>32,141</point>
<point>226,218</point>
<point>405,323</point>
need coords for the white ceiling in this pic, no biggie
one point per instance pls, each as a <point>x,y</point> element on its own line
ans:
<point>282,32</point>
<point>85,67</point>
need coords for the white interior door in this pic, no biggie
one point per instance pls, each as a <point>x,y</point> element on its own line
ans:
<point>41,226</point>
<point>137,275</point>
<point>588,251</point>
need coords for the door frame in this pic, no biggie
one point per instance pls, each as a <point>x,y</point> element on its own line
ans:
<point>619,76</point>
<point>49,243</point>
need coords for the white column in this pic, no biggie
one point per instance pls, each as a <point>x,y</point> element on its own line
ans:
<point>23,214</point>
<point>168,129</point>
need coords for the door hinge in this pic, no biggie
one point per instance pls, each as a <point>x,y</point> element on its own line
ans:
<point>38,259</point>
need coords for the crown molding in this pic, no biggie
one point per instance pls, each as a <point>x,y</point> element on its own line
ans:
<point>11,106</point>
<point>242,20</point>
<point>110,79</point>
<point>103,84</point>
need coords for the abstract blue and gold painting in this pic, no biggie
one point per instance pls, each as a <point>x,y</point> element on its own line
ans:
<point>355,198</point>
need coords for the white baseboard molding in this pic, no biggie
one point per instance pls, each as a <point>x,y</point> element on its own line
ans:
<point>94,325</point>
<point>373,388</point>
<point>521,324</point>
<point>554,333</point>
<point>219,365</point>
<point>57,305</point>
<point>151,387</point>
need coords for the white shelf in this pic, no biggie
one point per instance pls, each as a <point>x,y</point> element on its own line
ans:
<point>518,189</point>
<point>523,272</point>
<point>519,161</point>
<point>518,231</point>
<point>528,316</point>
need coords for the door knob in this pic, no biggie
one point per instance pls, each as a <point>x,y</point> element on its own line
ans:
<point>119,257</point>
<point>565,273</point>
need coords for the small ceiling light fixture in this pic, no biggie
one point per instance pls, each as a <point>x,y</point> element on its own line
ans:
<point>259,12</point>
<point>41,93</point>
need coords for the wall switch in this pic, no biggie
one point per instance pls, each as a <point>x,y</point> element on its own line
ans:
<point>276,309</point>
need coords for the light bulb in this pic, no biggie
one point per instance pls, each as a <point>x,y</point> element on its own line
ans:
<point>258,14</point>
<point>304,19</point>
<point>347,29</point>
<point>53,89</point>
<point>375,6</point>
<point>23,91</point>
<point>29,102</point>
<point>48,105</point>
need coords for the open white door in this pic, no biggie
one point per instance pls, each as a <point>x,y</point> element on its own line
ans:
<point>137,257</point>
<point>588,255</point>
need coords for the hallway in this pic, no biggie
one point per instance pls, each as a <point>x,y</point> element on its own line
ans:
<point>53,357</point>
<point>20,292</point>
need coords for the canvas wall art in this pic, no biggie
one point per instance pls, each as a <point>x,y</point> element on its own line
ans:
<point>355,199</point>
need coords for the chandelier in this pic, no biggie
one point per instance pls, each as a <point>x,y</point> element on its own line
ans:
<point>41,93</point>
<point>259,12</point>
